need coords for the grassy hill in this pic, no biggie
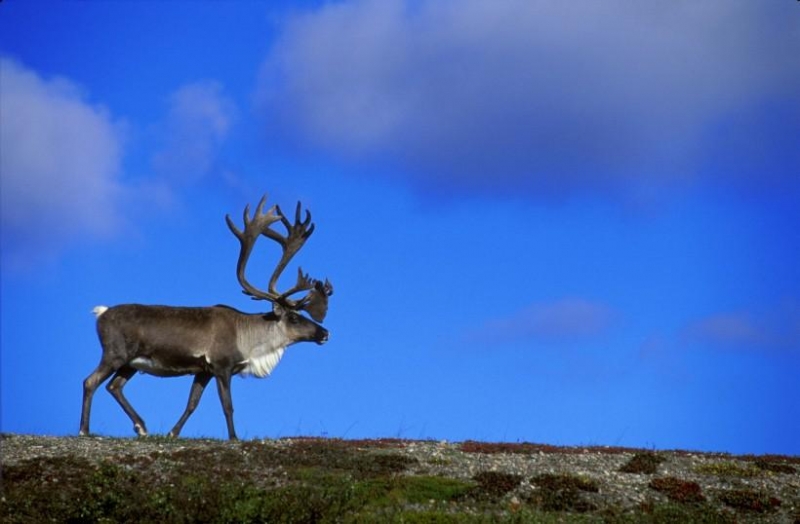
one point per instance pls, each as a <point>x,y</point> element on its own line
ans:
<point>100,479</point>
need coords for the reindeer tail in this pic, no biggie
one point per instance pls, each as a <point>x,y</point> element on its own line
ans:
<point>99,310</point>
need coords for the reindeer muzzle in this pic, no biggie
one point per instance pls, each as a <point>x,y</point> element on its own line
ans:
<point>321,336</point>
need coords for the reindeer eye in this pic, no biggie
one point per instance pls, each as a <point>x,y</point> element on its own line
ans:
<point>293,319</point>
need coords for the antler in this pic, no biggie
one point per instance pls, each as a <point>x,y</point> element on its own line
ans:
<point>316,301</point>
<point>296,236</point>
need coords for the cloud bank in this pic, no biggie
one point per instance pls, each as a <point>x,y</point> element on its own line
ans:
<point>60,164</point>
<point>544,98</point>
<point>63,176</point>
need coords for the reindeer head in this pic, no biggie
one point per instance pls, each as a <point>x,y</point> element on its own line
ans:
<point>287,310</point>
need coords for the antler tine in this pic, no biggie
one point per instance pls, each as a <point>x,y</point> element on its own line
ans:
<point>305,224</point>
<point>235,230</point>
<point>254,227</point>
<point>304,283</point>
<point>246,214</point>
<point>246,219</point>
<point>296,236</point>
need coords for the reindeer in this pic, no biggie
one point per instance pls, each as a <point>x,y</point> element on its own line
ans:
<point>216,341</point>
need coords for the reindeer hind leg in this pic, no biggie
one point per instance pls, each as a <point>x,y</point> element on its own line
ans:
<point>115,388</point>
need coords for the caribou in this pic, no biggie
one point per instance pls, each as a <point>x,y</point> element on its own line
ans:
<point>213,342</point>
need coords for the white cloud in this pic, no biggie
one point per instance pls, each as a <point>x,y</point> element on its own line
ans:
<point>197,123</point>
<point>539,97</point>
<point>567,320</point>
<point>60,165</point>
<point>776,329</point>
<point>731,329</point>
<point>62,161</point>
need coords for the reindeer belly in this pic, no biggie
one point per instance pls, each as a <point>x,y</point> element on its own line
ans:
<point>165,368</point>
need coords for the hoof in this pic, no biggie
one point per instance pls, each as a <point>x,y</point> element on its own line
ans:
<point>140,430</point>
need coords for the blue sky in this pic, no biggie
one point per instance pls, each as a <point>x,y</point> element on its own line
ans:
<point>564,222</point>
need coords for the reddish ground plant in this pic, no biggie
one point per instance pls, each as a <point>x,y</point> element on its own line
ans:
<point>522,448</point>
<point>495,484</point>
<point>529,448</point>
<point>678,490</point>
<point>563,492</point>
<point>379,443</point>
<point>643,463</point>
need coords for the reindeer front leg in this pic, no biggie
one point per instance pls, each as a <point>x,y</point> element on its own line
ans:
<point>198,386</point>
<point>224,389</point>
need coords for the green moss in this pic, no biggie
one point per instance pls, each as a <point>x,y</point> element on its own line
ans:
<point>412,490</point>
<point>524,516</point>
<point>424,489</point>
<point>674,513</point>
<point>339,455</point>
<point>729,469</point>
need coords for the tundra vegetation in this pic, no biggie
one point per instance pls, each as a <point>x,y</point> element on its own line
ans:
<point>173,480</point>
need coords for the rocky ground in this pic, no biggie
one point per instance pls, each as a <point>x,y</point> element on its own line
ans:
<point>100,479</point>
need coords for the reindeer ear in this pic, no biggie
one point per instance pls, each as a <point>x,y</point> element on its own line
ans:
<point>278,309</point>
<point>317,304</point>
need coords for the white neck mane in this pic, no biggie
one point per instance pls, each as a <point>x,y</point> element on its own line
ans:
<point>262,349</point>
<point>262,361</point>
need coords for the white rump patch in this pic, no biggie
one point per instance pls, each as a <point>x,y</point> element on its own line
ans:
<point>99,310</point>
<point>262,365</point>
